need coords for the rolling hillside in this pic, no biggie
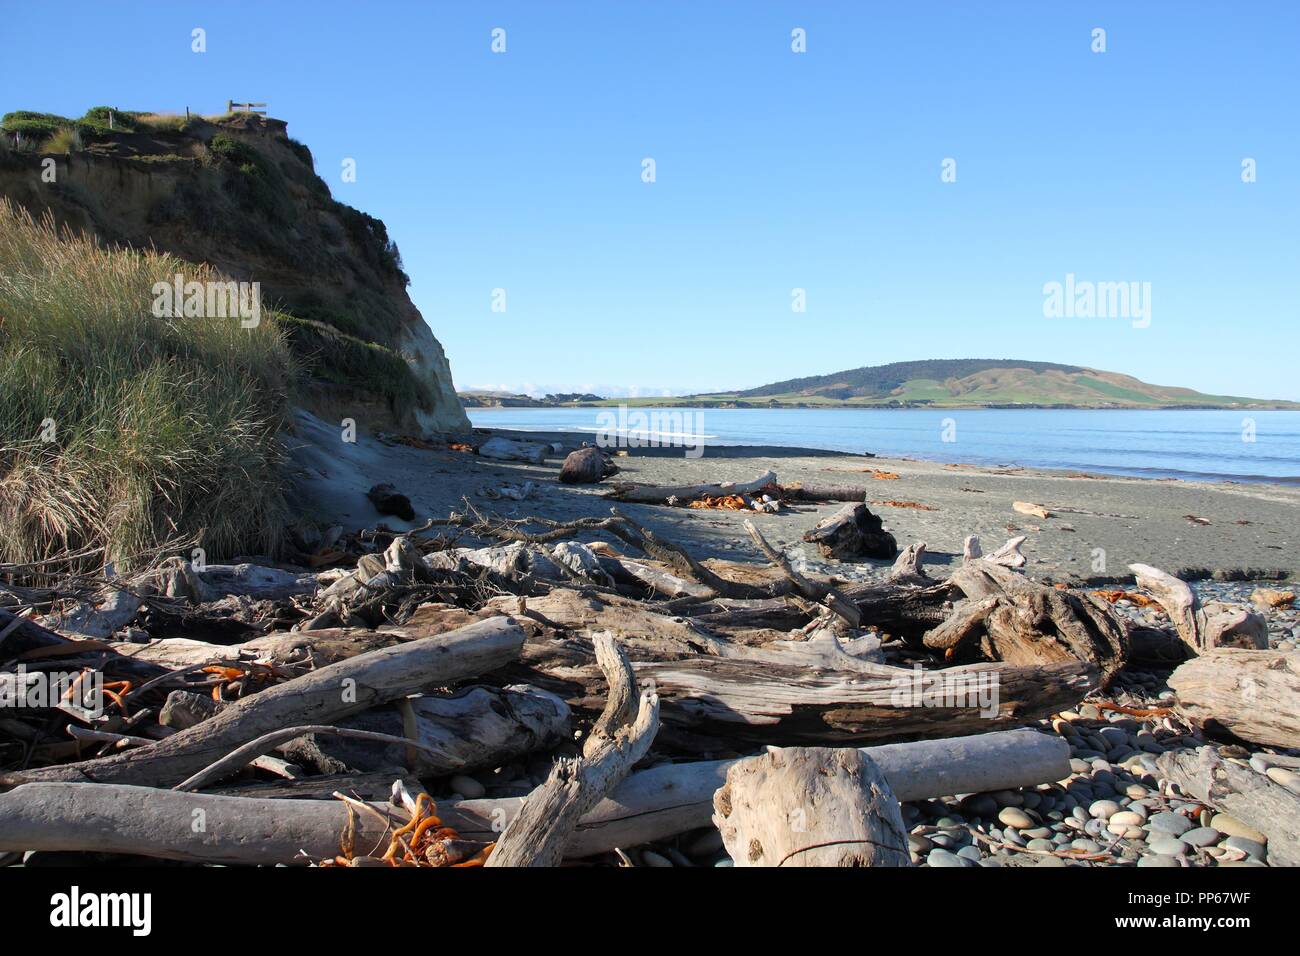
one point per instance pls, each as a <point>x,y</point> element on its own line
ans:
<point>974,382</point>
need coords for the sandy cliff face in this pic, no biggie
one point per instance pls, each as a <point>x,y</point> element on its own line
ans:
<point>241,195</point>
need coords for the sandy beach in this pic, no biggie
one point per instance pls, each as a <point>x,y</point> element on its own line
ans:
<point>1097,526</point>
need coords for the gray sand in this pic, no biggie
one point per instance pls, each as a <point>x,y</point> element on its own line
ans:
<point>1252,528</point>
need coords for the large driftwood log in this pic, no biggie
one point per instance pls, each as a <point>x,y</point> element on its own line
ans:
<point>481,727</point>
<point>1240,792</point>
<point>622,736</point>
<point>852,533</point>
<point>1029,623</point>
<point>684,494</point>
<point>172,825</point>
<point>509,449</point>
<point>1202,627</point>
<point>649,805</point>
<point>810,806</point>
<point>765,702</point>
<point>1254,695</point>
<point>323,696</point>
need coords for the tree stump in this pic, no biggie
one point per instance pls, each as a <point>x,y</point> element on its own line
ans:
<point>853,532</point>
<point>1254,695</point>
<point>810,806</point>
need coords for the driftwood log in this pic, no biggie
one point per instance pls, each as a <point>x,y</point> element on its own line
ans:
<point>649,805</point>
<point>1254,695</point>
<point>810,806</point>
<point>852,533</point>
<point>322,696</point>
<point>684,494</point>
<point>509,449</point>
<point>1202,627</point>
<point>477,728</point>
<point>1020,622</point>
<point>1240,792</point>
<point>622,736</point>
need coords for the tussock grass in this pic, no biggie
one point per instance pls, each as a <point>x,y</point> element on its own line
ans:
<point>159,429</point>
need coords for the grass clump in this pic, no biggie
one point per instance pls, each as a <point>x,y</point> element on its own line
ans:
<point>124,431</point>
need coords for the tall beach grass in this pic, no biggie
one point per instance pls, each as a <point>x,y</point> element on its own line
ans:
<point>120,430</point>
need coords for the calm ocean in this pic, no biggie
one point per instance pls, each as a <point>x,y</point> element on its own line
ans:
<point>1206,445</point>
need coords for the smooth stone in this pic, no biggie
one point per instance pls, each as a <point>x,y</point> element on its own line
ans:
<point>1008,798</point>
<point>1014,817</point>
<point>467,787</point>
<point>940,857</point>
<point>919,844</point>
<point>1241,863</point>
<point>1201,836</point>
<point>725,861</point>
<point>1037,833</point>
<point>1078,766</point>
<point>1252,848</point>
<point>1125,819</point>
<point>1086,846</point>
<point>1169,822</point>
<point>1287,778</point>
<point>970,853</point>
<point>1156,859</point>
<point>1234,827</point>
<point>1168,845</point>
<point>1032,799</point>
<point>1260,764</point>
<point>1103,809</point>
<point>945,840</point>
<point>1050,861</point>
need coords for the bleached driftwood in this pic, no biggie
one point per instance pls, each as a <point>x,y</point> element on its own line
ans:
<point>970,548</point>
<point>1007,556</point>
<point>115,610</point>
<point>322,696</point>
<point>810,806</point>
<point>684,494</point>
<point>908,568</point>
<point>481,727</point>
<point>1240,792</point>
<point>1202,626</point>
<point>649,805</point>
<point>508,449</point>
<point>669,799</point>
<point>1033,624</point>
<point>622,736</point>
<point>1254,695</point>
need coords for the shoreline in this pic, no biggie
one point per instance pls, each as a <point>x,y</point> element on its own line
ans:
<point>773,450</point>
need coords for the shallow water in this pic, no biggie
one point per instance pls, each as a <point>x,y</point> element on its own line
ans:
<point>1213,445</point>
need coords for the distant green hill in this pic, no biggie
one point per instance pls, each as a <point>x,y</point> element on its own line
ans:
<point>973,383</point>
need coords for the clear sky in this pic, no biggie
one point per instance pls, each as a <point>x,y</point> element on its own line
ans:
<point>775,170</point>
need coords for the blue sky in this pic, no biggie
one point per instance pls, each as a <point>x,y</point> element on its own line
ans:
<point>775,171</point>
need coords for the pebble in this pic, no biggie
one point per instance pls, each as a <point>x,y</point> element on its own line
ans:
<point>1086,846</point>
<point>1103,809</point>
<point>1234,827</point>
<point>939,857</point>
<point>467,787</point>
<point>970,853</point>
<point>1169,822</point>
<point>981,805</point>
<point>1201,836</point>
<point>1157,859</point>
<point>1013,817</point>
<point>1125,819</point>
<point>1252,848</point>
<point>1168,846</point>
<point>1037,833</point>
<point>1287,778</point>
<point>1040,844</point>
